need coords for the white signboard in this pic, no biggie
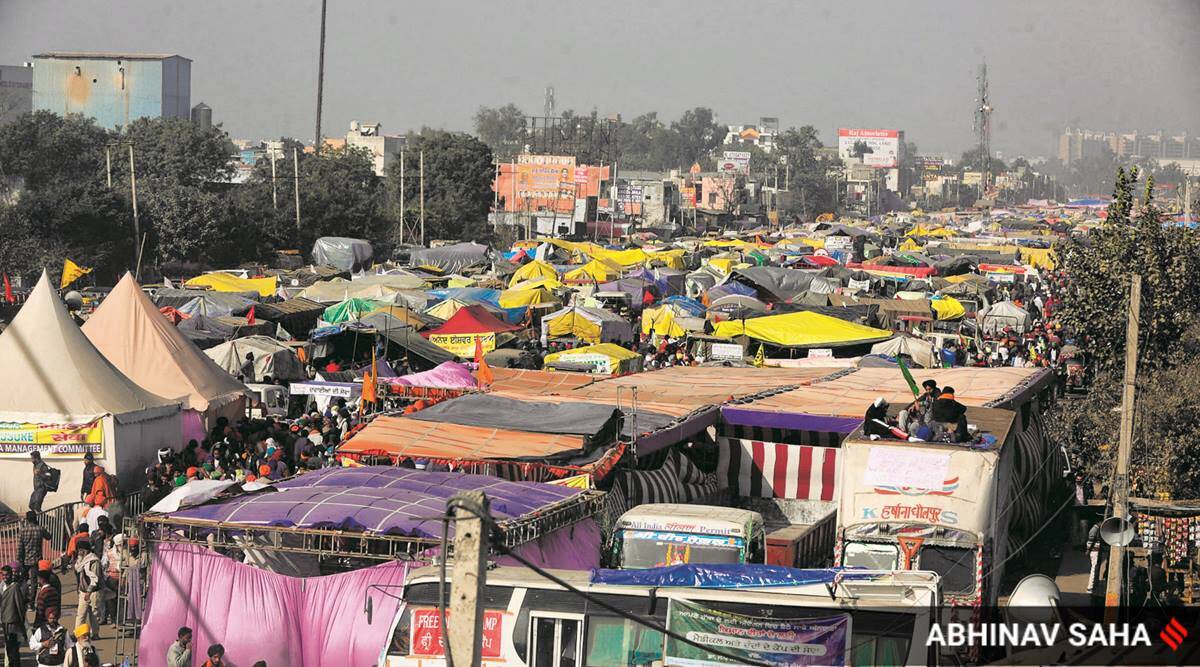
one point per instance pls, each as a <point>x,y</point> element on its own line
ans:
<point>734,162</point>
<point>820,353</point>
<point>331,389</point>
<point>897,467</point>
<point>883,146</point>
<point>859,285</point>
<point>600,363</point>
<point>1001,277</point>
<point>727,351</point>
<point>838,242</point>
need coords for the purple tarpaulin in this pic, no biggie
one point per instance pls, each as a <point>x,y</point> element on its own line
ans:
<point>789,420</point>
<point>448,375</point>
<point>260,615</point>
<point>381,499</point>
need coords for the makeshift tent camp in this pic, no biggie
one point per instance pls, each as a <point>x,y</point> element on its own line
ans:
<point>776,283</point>
<point>217,304</point>
<point>225,282</point>
<point>384,291</point>
<point>993,319</point>
<point>450,307</point>
<point>459,334</point>
<point>419,352</point>
<point>206,331</point>
<point>605,358</point>
<point>532,270</point>
<point>342,253</point>
<point>271,358</point>
<point>918,349</point>
<point>131,333</point>
<point>802,329</point>
<point>452,258</point>
<point>350,309</point>
<point>60,396</point>
<point>594,325</point>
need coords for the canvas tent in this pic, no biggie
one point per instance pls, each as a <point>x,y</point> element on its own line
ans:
<point>605,359</point>
<point>271,358</point>
<point>995,317</point>
<point>343,253</point>
<point>419,352</point>
<point>594,325</point>
<point>130,332</point>
<point>801,329</point>
<point>63,398</point>
<point>918,349</point>
<point>452,258</point>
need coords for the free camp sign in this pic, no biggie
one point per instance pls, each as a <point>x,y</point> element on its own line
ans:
<point>17,439</point>
<point>463,345</point>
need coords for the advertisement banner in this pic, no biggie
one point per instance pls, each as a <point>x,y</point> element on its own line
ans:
<point>730,351</point>
<point>734,162</point>
<point>427,639</point>
<point>546,176</point>
<point>330,389</point>
<point>600,363</point>
<point>581,176</point>
<point>772,641</point>
<point>883,146</point>
<point>18,439</point>
<point>463,345</point>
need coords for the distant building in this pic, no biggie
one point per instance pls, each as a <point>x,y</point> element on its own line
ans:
<point>113,88</point>
<point>383,147</point>
<point>16,91</point>
<point>1076,144</point>
<point>761,136</point>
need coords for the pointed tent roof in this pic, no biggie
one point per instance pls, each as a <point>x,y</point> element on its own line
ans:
<point>472,320</point>
<point>53,373</point>
<point>128,329</point>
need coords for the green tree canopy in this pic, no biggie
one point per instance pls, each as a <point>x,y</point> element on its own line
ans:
<point>503,129</point>
<point>459,170</point>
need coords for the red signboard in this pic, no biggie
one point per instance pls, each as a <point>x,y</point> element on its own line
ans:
<point>425,633</point>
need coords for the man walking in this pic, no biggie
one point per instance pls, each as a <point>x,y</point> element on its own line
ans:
<point>91,585</point>
<point>89,475</point>
<point>12,616</point>
<point>41,481</point>
<point>29,552</point>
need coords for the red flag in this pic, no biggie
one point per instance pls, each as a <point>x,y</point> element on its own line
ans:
<point>8,295</point>
<point>485,372</point>
<point>250,316</point>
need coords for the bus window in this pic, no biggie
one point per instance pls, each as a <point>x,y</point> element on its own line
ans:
<point>878,651</point>
<point>554,641</point>
<point>955,564</point>
<point>648,548</point>
<point>872,556</point>
<point>616,642</point>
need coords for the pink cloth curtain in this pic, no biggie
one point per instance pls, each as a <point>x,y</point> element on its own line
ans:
<point>574,547</point>
<point>260,615</point>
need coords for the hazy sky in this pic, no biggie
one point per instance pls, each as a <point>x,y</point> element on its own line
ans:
<point>888,64</point>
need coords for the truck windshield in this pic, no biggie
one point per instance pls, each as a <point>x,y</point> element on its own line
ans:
<point>651,548</point>
<point>955,564</point>
<point>872,556</point>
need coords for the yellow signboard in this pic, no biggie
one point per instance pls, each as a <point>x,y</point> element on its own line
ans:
<point>463,345</point>
<point>546,176</point>
<point>18,439</point>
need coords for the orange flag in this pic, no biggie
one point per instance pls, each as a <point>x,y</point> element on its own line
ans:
<point>250,316</point>
<point>485,372</point>
<point>8,295</point>
<point>370,388</point>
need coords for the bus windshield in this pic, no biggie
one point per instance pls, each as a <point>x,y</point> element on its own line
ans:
<point>652,548</point>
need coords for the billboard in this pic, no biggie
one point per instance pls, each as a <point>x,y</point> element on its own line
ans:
<point>18,439</point>
<point>753,639</point>
<point>734,162</point>
<point>546,176</point>
<point>884,146</point>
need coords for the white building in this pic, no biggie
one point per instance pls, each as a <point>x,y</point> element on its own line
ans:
<point>383,147</point>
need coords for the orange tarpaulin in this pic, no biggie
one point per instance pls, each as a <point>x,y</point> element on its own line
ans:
<point>403,437</point>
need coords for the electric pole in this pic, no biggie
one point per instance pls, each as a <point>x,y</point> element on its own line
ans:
<point>108,164</point>
<point>469,577</point>
<point>422,158</point>
<point>320,82</point>
<point>296,187</point>
<point>1116,554</point>
<point>274,184</point>
<point>137,225</point>
<point>402,218</point>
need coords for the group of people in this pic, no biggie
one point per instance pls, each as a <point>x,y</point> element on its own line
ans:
<point>179,653</point>
<point>934,415</point>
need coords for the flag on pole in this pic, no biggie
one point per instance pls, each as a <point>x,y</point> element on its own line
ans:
<point>72,272</point>
<point>484,373</point>
<point>370,386</point>
<point>912,383</point>
<point>250,316</point>
<point>8,295</point>
<point>759,357</point>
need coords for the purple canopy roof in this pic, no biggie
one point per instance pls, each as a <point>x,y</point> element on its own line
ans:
<point>377,499</point>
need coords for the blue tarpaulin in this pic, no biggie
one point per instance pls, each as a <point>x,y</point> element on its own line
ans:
<point>721,576</point>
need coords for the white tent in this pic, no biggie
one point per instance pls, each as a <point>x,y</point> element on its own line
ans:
<point>995,317</point>
<point>918,349</point>
<point>271,358</point>
<point>131,333</point>
<point>63,398</point>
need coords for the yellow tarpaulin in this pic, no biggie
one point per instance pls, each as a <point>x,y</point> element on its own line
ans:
<point>536,283</point>
<point>573,324</point>
<point>534,269</point>
<point>225,282</point>
<point>596,270</point>
<point>801,329</point>
<point>460,281</point>
<point>947,308</point>
<point>723,264</point>
<point>672,259</point>
<point>930,230</point>
<point>626,259</point>
<point>516,298</point>
<point>605,358</point>
<point>909,244</point>
<point>1042,258</point>
<point>661,321</point>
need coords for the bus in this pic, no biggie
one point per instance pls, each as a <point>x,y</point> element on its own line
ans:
<point>660,534</point>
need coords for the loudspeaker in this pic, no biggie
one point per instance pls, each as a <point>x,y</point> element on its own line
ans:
<point>1116,531</point>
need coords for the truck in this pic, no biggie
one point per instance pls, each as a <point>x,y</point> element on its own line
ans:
<point>861,618</point>
<point>958,509</point>
<point>659,534</point>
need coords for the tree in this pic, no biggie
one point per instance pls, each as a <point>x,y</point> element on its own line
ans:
<point>973,160</point>
<point>177,151</point>
<point>811,176</point>
<point>503,129</point>
<point>698,134</point>
<point>458,184</point>
<point>43,147</point>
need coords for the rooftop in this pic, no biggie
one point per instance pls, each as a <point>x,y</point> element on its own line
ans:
<point>107,55</point>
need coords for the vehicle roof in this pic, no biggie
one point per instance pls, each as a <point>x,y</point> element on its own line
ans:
<point>674,511</point>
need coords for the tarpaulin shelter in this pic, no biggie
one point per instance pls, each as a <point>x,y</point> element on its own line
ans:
<point>736,305</point>
<point>802,329</point>
<point>532,270</point>
<point>271,358</point>
<point>454,258</point>
<point>217,304</point>
<point>918,349</point>
<point>343,253</point>
<point>594,271</point>
<point>993,319</point>
<point>604,359</point>
<point>130,332</point>
<point>448,308</point>
<point>385,291</point>
<point>297,315</point>
<point>448,375</point>
<point>594,325</point>
<point>401,340</point>
<point>523,297</point>
<point>62,397</point>
<point>773,282</point>
<point>662,321</point>
<point>206,332</point>
<point>470,328</point>
<point>947,307</point>
<point>226,282</point>
<point>350,309</point>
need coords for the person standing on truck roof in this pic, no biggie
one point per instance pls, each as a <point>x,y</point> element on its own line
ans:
<point>952,414</point>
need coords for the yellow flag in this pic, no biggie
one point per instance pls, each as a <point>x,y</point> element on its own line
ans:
<point>759,359</point>
<point>72,272</point>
